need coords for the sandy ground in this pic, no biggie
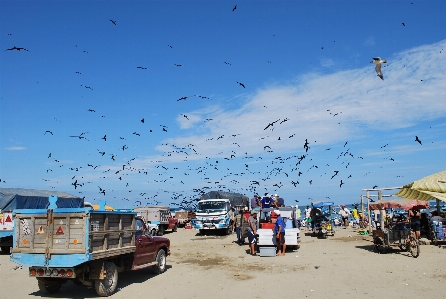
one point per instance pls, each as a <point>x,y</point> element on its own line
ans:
<point>216,267</point>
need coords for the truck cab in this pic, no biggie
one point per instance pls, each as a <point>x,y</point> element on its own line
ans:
<point>213,214</point>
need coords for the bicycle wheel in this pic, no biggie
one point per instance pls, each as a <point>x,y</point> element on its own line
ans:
<point>414,247</point>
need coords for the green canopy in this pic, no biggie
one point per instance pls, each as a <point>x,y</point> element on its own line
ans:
<point>428,188</point>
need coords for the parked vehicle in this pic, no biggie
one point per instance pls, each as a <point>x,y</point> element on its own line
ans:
<point>18,198</point>
<point>213,214</point>
<point>153,228</point>
<point>158,215</point>
<point>85,246</point>
<point>183,217</point>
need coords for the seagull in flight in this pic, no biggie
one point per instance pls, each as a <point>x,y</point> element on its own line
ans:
<point>16,48</point>
<point>378,62</point>
<point>418,140</point>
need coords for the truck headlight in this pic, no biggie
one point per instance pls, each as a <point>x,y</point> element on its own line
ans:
<point>222,221</point>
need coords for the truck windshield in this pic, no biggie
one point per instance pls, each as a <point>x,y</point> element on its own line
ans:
<point>211,207</point>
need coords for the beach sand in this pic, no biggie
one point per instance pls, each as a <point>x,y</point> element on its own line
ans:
<point>216,267</point>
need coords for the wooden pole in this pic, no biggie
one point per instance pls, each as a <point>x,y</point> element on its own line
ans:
<point>368,211</point>
<point>382,212</point>
<point>362,207</point>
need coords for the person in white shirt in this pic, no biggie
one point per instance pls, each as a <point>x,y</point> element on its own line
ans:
<point>344,212</point>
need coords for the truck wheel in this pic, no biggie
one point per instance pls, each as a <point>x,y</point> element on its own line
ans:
<point>5,249</point>
<point>228,231</point>
<point>174,229</point>
<point>160,260</point>
<point>160,230</point>
<point>48,288</point>
<point>153,232</point>
<point>107,286</point>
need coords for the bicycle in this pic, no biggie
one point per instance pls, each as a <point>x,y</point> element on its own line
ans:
<point>410,244</point>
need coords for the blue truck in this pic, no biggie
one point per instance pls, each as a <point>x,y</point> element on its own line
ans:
<point>86,246</point>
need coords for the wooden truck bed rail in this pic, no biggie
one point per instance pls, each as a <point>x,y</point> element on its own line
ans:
<point>100,234</point>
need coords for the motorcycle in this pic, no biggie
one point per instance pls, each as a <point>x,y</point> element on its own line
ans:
<point>321,227</point>
<point>323,224</point>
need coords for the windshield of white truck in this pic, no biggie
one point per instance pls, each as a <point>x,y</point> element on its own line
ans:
<point>211,207</point>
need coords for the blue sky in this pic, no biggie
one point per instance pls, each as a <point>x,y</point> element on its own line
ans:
<point>304,64</point>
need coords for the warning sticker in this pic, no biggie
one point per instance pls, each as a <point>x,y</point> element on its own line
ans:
<point>59,231</point>
<point>40,230</point>
<point>6,221</point>
<point>76,222</point>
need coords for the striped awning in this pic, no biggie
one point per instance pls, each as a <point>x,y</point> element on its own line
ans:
<point>428,188</point>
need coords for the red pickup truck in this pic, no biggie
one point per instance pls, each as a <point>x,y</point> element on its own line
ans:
<point>85,246</point>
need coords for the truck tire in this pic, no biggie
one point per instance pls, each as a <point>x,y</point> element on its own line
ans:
<point>160,230</point>
<point>160,260</point>
<point>6,249</point>
<point>174,229</point>
<point>48,288</point>
<point>228,230</point>
<point>153,232</point>
<point>107,286</point>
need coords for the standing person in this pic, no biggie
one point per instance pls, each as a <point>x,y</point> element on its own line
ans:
<point>255,202</point>
<point>233,218</point>
<point>279,229</point>
<point>344,212</point>
<point>355,216</point>
<point>415,222</point>
<point>238,226</point>
<point>266,203</point>
<point>252,232</point>
<point>308,217</point>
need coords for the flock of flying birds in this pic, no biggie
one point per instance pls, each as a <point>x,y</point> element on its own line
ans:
<point>290,170</point>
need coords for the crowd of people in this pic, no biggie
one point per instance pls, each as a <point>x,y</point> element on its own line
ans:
<point>263,208</point>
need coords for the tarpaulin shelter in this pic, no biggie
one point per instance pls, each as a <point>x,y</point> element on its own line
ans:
<point>399,204</point>
<point>319,204</point>
<point>18,198</point>
<point>428,188</point>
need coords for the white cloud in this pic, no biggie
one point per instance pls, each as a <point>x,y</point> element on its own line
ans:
<point>357,100</point>
<point>327,62</point>
<point>16,148</point>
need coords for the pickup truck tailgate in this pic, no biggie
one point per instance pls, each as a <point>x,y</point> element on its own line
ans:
<point>62,233</point>
<point>71,236</point>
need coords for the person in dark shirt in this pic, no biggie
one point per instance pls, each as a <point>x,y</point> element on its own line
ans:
<point>255,202</point>
<point>280,203</point>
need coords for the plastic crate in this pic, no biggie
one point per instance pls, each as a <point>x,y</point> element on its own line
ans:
<point>267,251</point>
<point>267,225</point>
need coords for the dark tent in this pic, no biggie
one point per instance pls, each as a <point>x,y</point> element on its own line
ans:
<point>18,198</point>
<point>236,199</point>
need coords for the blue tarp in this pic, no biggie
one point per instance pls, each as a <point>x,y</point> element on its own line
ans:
<point>319,204</point>
<point>18,198</point>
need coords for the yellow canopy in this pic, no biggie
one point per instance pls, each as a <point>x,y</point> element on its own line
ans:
<point>428,188</point>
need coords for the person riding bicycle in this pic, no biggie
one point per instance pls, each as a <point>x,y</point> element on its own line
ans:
<point>415,223</point>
